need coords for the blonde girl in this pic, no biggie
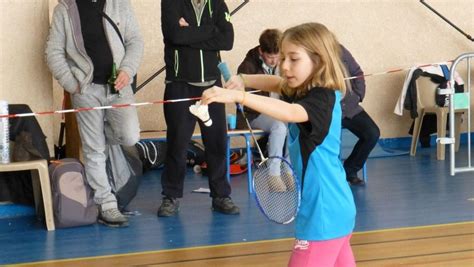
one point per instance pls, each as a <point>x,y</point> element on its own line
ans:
<point>312,85</point>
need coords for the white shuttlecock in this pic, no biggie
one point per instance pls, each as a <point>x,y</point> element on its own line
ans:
<point>202,112</point>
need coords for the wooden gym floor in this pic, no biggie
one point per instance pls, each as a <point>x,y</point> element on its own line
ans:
<point>411,213</point>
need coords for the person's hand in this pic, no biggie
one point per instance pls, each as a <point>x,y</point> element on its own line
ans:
<point>183,22</point>
<point>221,95</point>
<point>235,83</point>
<point>122,80</point>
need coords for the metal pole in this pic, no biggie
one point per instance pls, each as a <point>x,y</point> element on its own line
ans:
<point>453,169</point>
<point>449,22</point>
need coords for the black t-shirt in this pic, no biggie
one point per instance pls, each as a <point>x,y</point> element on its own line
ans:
<point>319,104</point>
<point>95,41</point>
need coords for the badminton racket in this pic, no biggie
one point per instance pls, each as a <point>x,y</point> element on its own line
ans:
<point>277,190</point>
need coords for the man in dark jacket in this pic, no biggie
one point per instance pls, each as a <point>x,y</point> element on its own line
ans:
<point>262,59</point>
<point>194,32</point>
<point>356,120</point>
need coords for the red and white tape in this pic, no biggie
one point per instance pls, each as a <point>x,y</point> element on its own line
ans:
<point>185,99</point>
<point>97,108</point>
<point>397,70</point>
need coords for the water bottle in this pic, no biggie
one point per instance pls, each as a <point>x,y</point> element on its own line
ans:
<point>4,134</point>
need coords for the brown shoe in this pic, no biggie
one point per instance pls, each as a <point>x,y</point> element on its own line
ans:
<point>225,205</point>
<point>169,207</point>
<point>289,182</point>
<point>355,181</point>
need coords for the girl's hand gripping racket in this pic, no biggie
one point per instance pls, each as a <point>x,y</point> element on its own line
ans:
<point>276,187</point>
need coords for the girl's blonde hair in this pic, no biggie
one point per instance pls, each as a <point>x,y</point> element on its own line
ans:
<point>325,52</point>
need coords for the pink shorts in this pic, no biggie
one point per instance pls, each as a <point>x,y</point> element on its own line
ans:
<point>328,253</point>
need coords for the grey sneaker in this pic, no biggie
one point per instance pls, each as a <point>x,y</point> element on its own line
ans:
<point>169,207</point>
<point>112,217</point>
<point>225,205</point>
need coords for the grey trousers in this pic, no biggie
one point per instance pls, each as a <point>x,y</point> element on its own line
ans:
<point>276,141</point>
<point>98,128</point>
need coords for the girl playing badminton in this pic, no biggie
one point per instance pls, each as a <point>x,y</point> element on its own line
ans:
<point>312,85</point>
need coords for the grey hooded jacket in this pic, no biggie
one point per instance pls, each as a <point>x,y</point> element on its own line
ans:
<point>66,55</point>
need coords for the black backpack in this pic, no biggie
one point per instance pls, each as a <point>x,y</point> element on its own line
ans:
<point>196,154</point>
<point>152,154</point>
<point>30,144</point>
<point>124,169</point>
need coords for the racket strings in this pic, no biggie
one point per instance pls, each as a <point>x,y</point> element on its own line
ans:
<point>277,192</point>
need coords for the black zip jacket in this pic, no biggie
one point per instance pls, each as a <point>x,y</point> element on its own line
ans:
<point>192,52</point>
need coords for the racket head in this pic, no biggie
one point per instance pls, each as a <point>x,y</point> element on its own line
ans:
<point>277,197</point>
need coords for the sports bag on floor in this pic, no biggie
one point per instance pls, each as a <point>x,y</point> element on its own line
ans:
<point>152,154</point>
<point>196,154</point>
<point>73,203</point>
<point>124,169</point>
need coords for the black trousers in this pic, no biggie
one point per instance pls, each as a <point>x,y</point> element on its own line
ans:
<point>362,126</point>
<point>180,126</point>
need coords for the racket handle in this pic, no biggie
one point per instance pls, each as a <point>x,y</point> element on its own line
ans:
<point>239,107</point>
<point>225,71</point>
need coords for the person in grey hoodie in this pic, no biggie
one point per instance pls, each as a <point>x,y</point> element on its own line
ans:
<point>81,51</point>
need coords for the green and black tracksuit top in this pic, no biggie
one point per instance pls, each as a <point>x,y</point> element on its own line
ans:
<point>192,52</point>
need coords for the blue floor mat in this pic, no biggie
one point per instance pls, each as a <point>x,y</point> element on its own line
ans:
<point>10,210</point>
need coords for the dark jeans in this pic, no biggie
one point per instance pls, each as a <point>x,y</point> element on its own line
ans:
<point>180,126</point>
<point>362,126</point>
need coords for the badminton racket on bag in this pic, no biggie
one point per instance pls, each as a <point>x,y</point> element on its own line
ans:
<point>277,190</point>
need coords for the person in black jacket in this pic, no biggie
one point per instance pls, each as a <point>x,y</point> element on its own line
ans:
<point>356,120</point>
<point>194,32</point>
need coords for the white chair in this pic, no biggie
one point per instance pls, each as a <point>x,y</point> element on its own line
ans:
<point>426,104</point>
<point>41,185</point>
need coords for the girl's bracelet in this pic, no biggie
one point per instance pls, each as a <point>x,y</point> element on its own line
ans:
<point>243,98</point>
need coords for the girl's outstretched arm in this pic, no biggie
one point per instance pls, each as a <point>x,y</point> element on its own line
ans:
<point>272,107</point>
<point>269,83</point>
